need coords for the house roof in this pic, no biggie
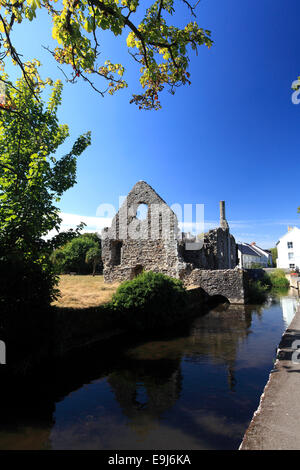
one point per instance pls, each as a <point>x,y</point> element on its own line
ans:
<point>248,250</point>
<point>258,249</point>
<point>294,229</point>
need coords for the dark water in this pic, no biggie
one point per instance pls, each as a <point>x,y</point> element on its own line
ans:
<point>195,388</point>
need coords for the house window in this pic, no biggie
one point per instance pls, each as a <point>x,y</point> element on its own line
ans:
<point>292,266</point>
<point>290,244</point>
<point>291,255</point>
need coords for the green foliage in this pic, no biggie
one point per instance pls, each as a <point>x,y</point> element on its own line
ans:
<point>256,266</point>
<point>160,48</point>
<point>78,254</point>
<point>150,300</point>
<point>274,255</point>
<point>257,292</point>
<point>93,256</point>
<point>278,279</point>
<point>25,284</point>
<point>258,289</point>
<point>32,179</point>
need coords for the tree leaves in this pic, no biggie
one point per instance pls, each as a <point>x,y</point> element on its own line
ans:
<point>31,178</point>
<point>161,48</point>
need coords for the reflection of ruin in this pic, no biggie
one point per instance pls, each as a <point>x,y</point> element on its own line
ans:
<point>219,334</point>
<point>146,390</point>
<point>151,382</point>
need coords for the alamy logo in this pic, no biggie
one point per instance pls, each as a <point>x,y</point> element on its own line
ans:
<point>2,352</point>
<point>296,353</point>
<point>296,92</point>
<point>140,221</point>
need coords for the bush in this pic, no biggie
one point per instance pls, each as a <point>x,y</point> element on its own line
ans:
<point>278,279</point>
<point>256,266</point>
<point>257,292</point>
<point>273,280</point>
<point>26,291</point>
<point>150,300</point>
<point>26,285</point>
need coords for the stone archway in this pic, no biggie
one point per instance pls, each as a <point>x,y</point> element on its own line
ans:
<point>138,269</point>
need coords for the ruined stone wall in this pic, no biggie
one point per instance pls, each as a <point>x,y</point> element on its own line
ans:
<point>131,245</point>
<point>229,283</point>
<point>156,255</point>
<point>218,252</point>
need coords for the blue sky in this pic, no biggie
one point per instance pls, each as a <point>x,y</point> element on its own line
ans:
<point>232,135</point>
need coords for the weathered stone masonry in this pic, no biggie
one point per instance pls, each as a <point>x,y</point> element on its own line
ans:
<point>155,243</point>
<point>229,283</point>
<point>131,245</point>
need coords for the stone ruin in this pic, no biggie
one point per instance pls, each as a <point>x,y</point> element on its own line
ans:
<point>155,243</point>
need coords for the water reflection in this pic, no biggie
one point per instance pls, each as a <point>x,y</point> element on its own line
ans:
<point>144,392</point>
<point>196,388</point>
<point>289,305</point>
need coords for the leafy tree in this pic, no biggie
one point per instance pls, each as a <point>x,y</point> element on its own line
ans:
<point>93,257</point>
<point>274,255</point>
<point>73,256</point>
<point>160,48</point>
<point>32,179</point>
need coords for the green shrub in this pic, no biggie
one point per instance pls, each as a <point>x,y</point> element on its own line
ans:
<point>278,279</point>
<point>266,281</point>
<point>26,291</point>
<point>256,266</point>
<point>257,292</point>
<point>26,285</point>
<point>150,300</point>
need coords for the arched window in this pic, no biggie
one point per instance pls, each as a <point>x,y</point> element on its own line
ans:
<point>142,212</point>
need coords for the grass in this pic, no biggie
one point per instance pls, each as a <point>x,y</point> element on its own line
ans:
<point>83,291</point>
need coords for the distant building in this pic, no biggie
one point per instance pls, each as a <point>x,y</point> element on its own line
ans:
<point>251,254</point>
<point>288,248</point>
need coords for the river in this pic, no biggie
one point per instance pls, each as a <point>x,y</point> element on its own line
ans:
<point>196,387</point>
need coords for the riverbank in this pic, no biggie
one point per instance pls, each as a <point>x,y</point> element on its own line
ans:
<point>66,331</point>
<point>80,328</point>
<point>89,311</point>
<point>276,423</point>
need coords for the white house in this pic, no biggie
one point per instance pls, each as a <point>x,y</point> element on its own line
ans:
<point>250,254</point>
<point>265,255</point>
<point>288,248</point>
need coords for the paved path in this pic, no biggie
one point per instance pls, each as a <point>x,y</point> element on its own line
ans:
<point>276,423</point>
